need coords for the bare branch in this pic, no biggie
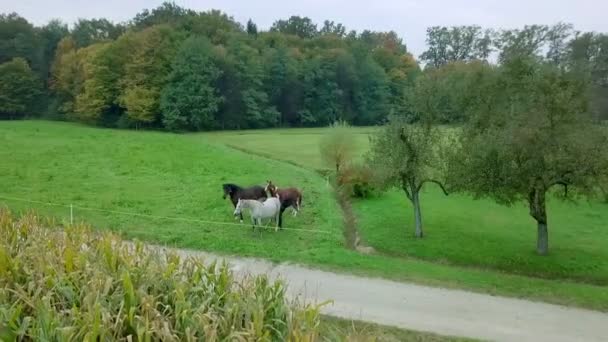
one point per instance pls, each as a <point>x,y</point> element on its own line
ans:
<point>445,192</point>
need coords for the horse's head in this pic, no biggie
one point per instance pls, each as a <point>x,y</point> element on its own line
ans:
<point>227,190</point>
<point>271,188</point>
<point>238,208</point>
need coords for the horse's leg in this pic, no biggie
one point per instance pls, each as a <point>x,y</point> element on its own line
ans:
<point>260,226</point>
<point>296,207</point>
<point>281,216</point>
<point>276,227</point>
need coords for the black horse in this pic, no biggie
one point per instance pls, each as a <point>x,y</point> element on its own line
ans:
<point>235,192</point>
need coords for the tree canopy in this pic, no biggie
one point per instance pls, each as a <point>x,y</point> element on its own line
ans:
<point>19,87</point>
<point>538,137</point>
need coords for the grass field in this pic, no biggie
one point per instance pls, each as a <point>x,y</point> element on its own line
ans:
<point>299,146</point>
<point>460,230</point>
<point>470,244</point>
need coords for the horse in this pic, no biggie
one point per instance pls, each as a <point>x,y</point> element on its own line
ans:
<point>236,192</point>
<point>290,197</point>
<point>271,208</point>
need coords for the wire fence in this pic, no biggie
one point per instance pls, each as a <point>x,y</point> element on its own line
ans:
<point>71,208</point>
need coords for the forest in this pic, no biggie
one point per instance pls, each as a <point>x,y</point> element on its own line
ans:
<point>176,69</point>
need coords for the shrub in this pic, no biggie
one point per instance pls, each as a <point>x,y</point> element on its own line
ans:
<point>357,180</point>
<point>79,285</point>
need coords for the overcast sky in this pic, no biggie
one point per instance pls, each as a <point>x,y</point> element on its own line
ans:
<point>409,18</point>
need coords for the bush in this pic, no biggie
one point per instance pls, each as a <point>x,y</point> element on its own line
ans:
<point>357,180</point>
<point>78,285</point>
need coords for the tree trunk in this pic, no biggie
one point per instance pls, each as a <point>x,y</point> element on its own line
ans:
<point>542,243</point>
<point>417,214</point>
<point>539,213</point>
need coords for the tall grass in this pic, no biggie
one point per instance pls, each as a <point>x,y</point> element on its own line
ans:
<point>78,285</point>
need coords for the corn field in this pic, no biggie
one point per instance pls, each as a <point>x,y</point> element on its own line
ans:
<point>76,284</point>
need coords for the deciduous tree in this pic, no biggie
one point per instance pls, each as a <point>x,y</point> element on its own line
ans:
<point>190,100</point>
<point>19,87</point>
<point>408,156</point>
<point>537,136</point>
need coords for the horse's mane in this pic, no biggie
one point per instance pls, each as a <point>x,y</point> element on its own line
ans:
<point>232,186</point>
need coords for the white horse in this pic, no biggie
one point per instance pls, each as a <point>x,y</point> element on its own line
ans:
<point>271,208</point>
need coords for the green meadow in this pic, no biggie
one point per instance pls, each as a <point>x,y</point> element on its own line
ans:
<point>173,182</point>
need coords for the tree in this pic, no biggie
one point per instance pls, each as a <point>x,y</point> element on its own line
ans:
<point>19,87</point>
<point>166,13</point>
<point>251,99</point>
<point>94,98</point>
<point>587,53</point>
<point>526,42</point>
<point>338,146</point>
<point>373,93</point>
<point>67,76</point>
<point>217,26</point>
<point>51,34</point>
<point>89,31</point>
<point>408,156</point>
<point>103,67</point>
<point>321,91</point>
<point>302,27</point>
<point>190,100</point>
<point>329,27</point>
<point>536,136</point>
<point>455,44</point>
<point>18,38</point>
<point>146,73</point>
<point>447,93</point>
<point>252,28</point>
<point>557,39</point>
<point>283,83</point>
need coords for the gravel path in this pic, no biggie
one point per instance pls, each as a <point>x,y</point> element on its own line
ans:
<point>422,308</point>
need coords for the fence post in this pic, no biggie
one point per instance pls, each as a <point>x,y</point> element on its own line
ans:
<point>71,214</point>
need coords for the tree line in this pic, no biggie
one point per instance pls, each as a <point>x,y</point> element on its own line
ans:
<point>176,69</point>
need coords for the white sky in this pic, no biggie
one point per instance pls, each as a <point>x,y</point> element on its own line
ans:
<point>409,18</point>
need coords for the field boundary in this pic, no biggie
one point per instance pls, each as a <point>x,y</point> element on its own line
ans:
<point>182,219</point>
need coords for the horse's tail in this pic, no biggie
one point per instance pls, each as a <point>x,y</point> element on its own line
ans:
<point>299,200</point>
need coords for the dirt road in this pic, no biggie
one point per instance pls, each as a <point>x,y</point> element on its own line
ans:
<point>443,311</point>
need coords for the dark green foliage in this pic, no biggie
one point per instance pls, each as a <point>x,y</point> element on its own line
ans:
<point>19,88</point>
<point>51,34</point>
<point>539,137</point>
<point>166,13</point>
<point>87,32</point>
<point>190,100</point>
<point>434,94</point>
<point>252,28</point>
<point>18,38</point>
<point>455,44</point>
<point>302,27</point>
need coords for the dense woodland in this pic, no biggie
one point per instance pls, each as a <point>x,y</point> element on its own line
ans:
<point>176,69</point>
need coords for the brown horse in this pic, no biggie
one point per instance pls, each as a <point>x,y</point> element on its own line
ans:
<point>236,192</point>
<point>290,197</point>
